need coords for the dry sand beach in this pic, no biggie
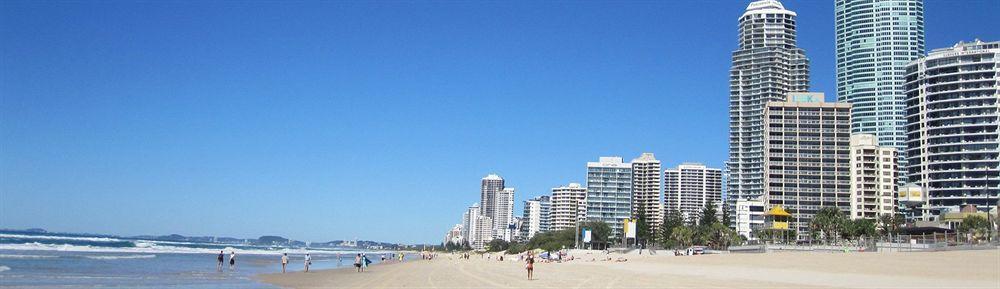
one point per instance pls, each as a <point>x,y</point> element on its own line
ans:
<point>953,269</point>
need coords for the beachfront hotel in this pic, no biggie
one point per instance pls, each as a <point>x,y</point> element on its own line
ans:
<point>609,192</point>
<point>876,40</point>
<point>568,207</point>
<point>690,187</point>
<point>807,141</point>
<point>646,191</point>
<point>873,177</point>
<point>536,216</point>
<point>952,117</point>
<point>766,66</point>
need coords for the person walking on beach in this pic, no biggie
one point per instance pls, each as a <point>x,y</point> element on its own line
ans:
<point>357,262</point>
<point>529,264</point>
<point>221,258</point>
<point>364,262</point>
<point>284,262</point>
<point>232,260</point>
<point>309,261</point>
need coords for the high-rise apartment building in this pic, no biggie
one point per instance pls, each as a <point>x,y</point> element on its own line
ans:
<point>807,164</point>
<point>690,187</point>
<point>490,186</point>
<point>952,117</point>
<point>477,229</point>
<point>503,217</point>
<point>873,177</point>
<point>609,192</point>
<point>536,216</point>
<point>766,66</point>
<point>876,39</point>
<point>646,191</point>
<point>497,204</point>
<point>569,206</point>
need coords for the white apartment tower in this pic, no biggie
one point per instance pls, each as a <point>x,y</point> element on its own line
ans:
<point>609,192</point>
<point>807,144</point>
<point>690,187</point>
<point>873,177</point>
<point>766,66</point>
<point>477,229</point>
<point>569,206</point>
<point>504,214</point>
<point>952,103</point>
<point>536,216</point>
<point>876,39</point>
<point>646,191</point>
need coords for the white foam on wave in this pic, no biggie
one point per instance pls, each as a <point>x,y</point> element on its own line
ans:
<point>44,237</point>
<point>15,256</point>
<point>4,268</point>
<point>154,248</point>
<point>120,257</point>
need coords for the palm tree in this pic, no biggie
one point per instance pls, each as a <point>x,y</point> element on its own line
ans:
<point>829,221</point>
<point>889,224</point>
<point>682,236</point>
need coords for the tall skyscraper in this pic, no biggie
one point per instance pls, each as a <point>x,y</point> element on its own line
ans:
<point>690,187</point>
<point>876,39</point>
<point>569,206</point>
<point>497,204</point>
<point>536,216</point>
<point>952,120</point>
<point>490,186</point>
<point>807,143</point>
<point>873,177</point>
<point>766,66</point>
<point>609,192</point>
<point>646,191</point>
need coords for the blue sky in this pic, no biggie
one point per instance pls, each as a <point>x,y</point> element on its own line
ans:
<point>372,120</point>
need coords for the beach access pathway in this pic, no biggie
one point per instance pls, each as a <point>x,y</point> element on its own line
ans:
<point>952,269</point>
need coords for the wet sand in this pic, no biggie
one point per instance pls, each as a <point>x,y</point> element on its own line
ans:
<point>953,269</point>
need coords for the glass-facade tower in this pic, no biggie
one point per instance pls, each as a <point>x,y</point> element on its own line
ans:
<point>876,39</point>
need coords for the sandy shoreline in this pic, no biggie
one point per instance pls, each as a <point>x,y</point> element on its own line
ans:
<point>953,269</point>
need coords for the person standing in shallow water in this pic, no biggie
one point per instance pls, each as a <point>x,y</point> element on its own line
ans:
<point>221,258</point>
<point>284,262</point>
<point>309,261</point>
<point>232,260</point>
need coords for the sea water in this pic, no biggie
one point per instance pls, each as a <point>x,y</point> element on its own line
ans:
<point>76,262</point>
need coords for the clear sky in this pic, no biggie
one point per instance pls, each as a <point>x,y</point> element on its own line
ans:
<point>371,120</point>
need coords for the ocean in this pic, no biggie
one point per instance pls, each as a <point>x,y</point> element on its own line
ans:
<point>52,260</point>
